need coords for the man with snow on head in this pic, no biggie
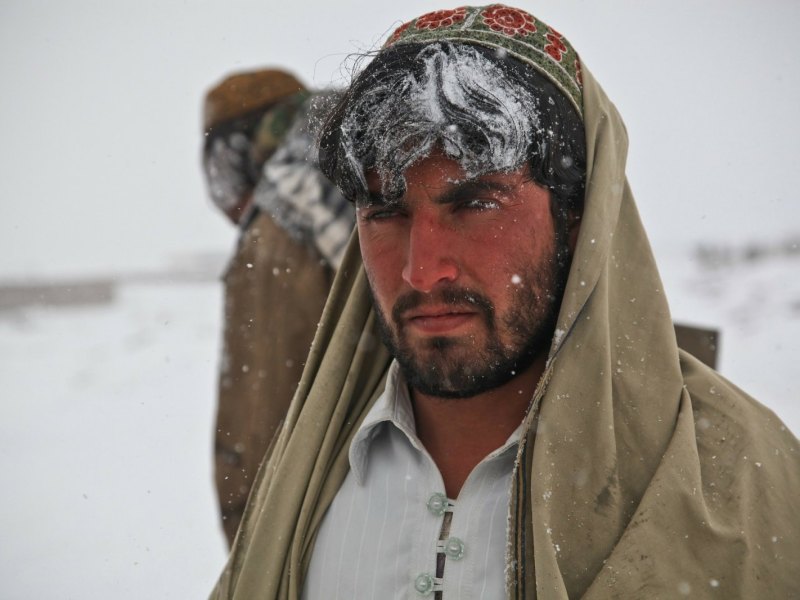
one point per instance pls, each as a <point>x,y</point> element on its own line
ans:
<point>495,404</point>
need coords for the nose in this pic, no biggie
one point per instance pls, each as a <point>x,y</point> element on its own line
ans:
<point>430,258</point>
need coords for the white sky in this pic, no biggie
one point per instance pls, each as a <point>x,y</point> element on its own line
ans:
<point>101,102</point>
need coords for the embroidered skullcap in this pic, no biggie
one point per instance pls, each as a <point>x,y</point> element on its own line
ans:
<point>505,28</point>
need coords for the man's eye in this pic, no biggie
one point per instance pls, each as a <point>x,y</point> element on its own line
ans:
<point>379,214</point>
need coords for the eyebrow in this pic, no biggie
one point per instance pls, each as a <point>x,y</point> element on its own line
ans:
<point>470,189</point>
<point>459,192</point>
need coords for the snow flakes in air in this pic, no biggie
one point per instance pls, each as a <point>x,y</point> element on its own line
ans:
<point>516,279</point>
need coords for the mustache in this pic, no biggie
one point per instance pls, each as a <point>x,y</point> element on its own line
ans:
<point>449,296</point>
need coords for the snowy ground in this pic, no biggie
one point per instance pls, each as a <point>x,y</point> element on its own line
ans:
<point>105,447</point>
<point>749,291</point>
<point>107,415</point>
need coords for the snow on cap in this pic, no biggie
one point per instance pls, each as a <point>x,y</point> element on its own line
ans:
<point>511,29</point>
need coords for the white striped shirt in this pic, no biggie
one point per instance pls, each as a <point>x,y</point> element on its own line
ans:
<point>379,538</point>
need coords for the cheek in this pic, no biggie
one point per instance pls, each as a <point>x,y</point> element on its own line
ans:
<point>382,263</point>
<point>508,255</point>
<point>498,250</point>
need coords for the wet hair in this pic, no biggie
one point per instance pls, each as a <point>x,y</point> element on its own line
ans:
<point>483,108</point>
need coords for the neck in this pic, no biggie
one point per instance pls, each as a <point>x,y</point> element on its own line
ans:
<point>474,426</point>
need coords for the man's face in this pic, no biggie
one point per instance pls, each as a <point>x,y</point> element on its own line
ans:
<point>463,274</point>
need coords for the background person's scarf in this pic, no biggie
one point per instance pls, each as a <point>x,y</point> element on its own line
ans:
<point>643,473</point>
<point>297,196</point>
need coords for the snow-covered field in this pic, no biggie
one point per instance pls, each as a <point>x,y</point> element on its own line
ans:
<point>750,292</point>
<point>105,447</point>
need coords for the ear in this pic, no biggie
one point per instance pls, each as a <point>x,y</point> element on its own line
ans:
<point>573,229</point>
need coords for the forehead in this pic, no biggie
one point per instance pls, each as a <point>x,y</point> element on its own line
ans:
<point>437,175</point>
<point>433,170</point>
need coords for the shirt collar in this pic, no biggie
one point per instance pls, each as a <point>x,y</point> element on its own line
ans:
<point>394,406</point>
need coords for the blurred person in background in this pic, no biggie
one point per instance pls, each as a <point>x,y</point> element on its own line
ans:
<point>261,171</point>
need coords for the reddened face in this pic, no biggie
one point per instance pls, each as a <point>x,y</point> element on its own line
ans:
<point>463,274</point>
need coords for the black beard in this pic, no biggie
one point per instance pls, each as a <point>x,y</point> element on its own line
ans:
<point>442,371</point>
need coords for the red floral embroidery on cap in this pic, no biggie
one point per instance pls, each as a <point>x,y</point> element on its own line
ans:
<point>507,20</point>
<point>441,18</point>
<point>556,47</point>
<point>397,33</point>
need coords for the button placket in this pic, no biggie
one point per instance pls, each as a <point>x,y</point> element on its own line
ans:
<point>452,547</point>
<point>438,504</point>
<point>426,584</point>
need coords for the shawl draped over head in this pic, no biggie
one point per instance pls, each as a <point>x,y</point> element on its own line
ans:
<point>642,472</point>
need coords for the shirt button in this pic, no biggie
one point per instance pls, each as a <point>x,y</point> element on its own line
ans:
<point>454,548</point>
<point>424,584</point>
<point>437,504</point>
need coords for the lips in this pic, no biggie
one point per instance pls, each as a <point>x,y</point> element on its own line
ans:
<point>449,310</point>
<point>438,320</point>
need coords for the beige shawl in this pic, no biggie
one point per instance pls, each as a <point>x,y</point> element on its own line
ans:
<point>644,474</point>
